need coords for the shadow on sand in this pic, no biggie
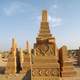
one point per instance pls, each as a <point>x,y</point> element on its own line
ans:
<point>27,76</point>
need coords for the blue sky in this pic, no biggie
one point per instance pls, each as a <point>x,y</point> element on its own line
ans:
<point>21,19</point>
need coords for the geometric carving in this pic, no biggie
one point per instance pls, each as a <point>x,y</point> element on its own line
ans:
<point>40,72</point>
<point>45,50</point>
<point>55,72</point>
<point>48,72</point>
<point>45,72</point>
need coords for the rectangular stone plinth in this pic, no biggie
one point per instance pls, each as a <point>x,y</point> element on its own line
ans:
<point>45,62</point>
<point>45,59</point>
<point>46,65</point>
<point>70,78</point>
<point>45,78</point>
<point>66,63</point>
<point>68,68</point>
<point>68,73</point>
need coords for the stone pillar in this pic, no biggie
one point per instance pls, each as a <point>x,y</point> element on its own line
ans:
<point>78,57</point>
<point>11,63</point>
<point>66,64</point>
<point>21,56</point>
<point>26,59</point>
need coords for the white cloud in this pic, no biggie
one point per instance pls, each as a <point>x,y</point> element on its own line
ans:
<point>55,21</point>
<point>54,6</point>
